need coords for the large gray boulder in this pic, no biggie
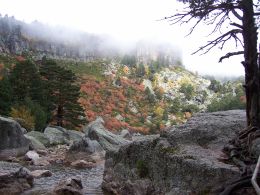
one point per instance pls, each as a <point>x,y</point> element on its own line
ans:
<point>109,141</point>
<point>86,145</point>
<point>57,135</point>
<point>12,140</point>
<point>35,144</point>
<point>183,161</point>
<point>41,137</point>
<point>85,149</point>
<point>75,135</point>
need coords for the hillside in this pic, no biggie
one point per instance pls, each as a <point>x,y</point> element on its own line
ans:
<point>144,89</point>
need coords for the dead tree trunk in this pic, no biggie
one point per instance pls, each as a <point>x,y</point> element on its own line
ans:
<point>251,64</point>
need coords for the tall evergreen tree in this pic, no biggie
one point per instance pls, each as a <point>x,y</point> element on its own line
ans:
<point>63,94</point>
<point>5,96</point>
<point>25,81</point>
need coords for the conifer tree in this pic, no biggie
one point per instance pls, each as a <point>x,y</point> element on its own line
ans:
<point>62,94</point>
<point>25,81</point>
<point>5,96</point>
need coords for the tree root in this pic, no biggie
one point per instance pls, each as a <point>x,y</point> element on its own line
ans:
<point>239,152</point>
<point>241,183</point>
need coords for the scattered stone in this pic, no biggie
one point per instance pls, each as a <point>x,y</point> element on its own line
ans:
<point>70,186</point>
<point>15,182</point>
<point>12,141</point>
<point>41,162</point>
<point>32,155</point>
<point>57,135</point>
<point>41,173</point>
<point>24,130</point>
<point>41,137</point>
<point>42,152</point>
<point>82,164</point>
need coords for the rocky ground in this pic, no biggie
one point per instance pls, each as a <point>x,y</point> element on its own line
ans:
<point>57,154</point>
<point>185,160</point>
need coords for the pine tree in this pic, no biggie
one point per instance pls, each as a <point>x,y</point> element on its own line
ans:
<point>25,81</point>
<point>63,94</point>
<point>5,96</point>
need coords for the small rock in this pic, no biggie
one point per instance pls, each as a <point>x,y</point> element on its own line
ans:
<point>41,162</point>
<point>71,186</point>
<point>13,159</point>
<point>24,130</point>
<point>13,183</point>
<point>126,134</point>
<point>81,164</point>
<point>32,155</point>
<point>41,173</point>
<point>42,152</point>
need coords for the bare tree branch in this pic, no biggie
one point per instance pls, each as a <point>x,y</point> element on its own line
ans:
<point>234,12</point>
<point>257,14</point>
<point>220,40</point>
<point>230,54</point>
<point>236,25</point>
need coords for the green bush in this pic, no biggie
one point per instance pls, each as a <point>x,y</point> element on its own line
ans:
<point>39,114</point>
<point>188,90</point>
<point>228,102</point>
<point>190,108</point>
<point>175,106</point>
<point>24,115</point>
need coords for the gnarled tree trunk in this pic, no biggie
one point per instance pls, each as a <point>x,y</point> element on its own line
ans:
<point>251,64</point>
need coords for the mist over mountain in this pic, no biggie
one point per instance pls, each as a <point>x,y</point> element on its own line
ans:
<point>60,42</point>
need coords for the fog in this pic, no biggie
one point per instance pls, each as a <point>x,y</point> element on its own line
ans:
<point>121,24</point>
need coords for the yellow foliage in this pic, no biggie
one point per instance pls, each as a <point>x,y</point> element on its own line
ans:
<point>146,68</point>
<point>185,80</point>
<point>126,70</point>
<point>159,111</point>
<point>21,112</point>
<point>187,115</point>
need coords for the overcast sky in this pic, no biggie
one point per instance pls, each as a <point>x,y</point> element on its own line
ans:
<point>128,20</point>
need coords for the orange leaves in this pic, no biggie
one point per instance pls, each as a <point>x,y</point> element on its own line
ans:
<point>91,116</point>
<point>105,100</point>
<point>1,66</point>
<point>114,124</point>
<point>243,99</point>
<point>20,58</point>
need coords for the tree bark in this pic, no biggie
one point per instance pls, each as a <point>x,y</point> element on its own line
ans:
<point>251,64</point>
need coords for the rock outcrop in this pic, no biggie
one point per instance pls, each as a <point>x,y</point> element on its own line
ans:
<point>72,186</point>
<point>12,141</point>
<point>182,161</point>
<point>85,149</point>
<point>109,141</point>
